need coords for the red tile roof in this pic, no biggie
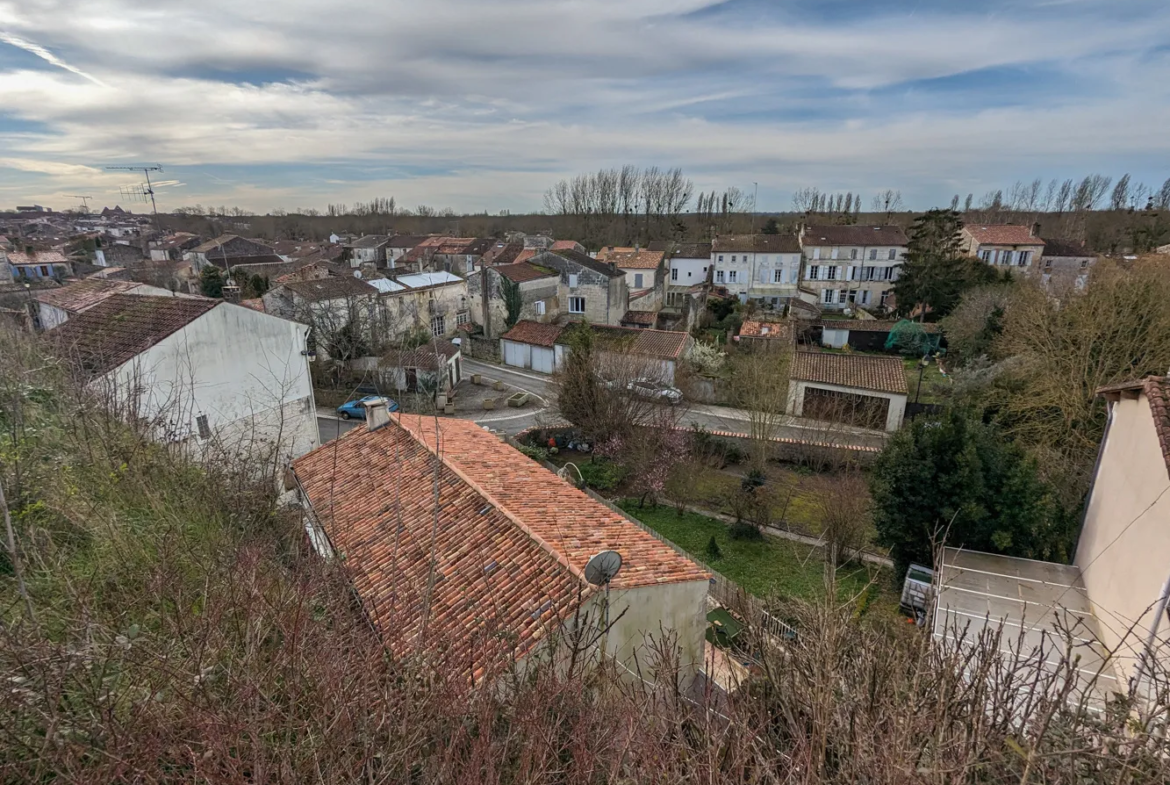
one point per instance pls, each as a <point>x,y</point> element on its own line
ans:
<point>511,545</point>
<point>524,255</point>
<point>123,326</point>
<point>77,297</point>
<point>534,333</point>
<point>631,259</point>
<point>423,356</point>
<point>40,257</point>
<point>754,329</point>
<point>854,235</point>
<point>1157,392</point>
<point>256,304</point>
<point>331,288</point>
<point>565,245</point>
<point>648,318</point>
<point>521,272</point>
<point>1003,234</point>
<point>864,372</point>
<point>664,344</point>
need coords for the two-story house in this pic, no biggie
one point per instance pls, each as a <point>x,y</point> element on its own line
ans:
<point>462,255</point>
<point>758,266</point>
<point>590,290</point>
<point>535,288</point>
<point>1003,245</point>
<point>225,248</point>
<point>687,265</point>
<point>852,265</point>
<point>370,249</point>
<point>1065,263</point>
<point>645,275</point>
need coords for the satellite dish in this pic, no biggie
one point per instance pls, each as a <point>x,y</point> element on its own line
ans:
<point>603,568</point>
<point>357,273</point>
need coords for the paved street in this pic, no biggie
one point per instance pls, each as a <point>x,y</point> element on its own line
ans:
<point>539,412</point>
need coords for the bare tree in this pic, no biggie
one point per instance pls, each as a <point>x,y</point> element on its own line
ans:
<point>759,385</point>
<point>846,516</point>
<point>1163,198</point>
<point>888,201</point>
<point>1120,198</point>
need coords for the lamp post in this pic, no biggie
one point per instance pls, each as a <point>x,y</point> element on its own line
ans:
<point>921,369</point>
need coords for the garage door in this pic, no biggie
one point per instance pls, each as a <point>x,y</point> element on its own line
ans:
<point>864,411</point>
<point>542,359</point>
<point>516,354</point>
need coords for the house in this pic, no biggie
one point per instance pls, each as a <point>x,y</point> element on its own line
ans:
<point>34,265</point>
<point>203,373</point>
<point>369,249</point>
<point>505,575</point>
<point>688,265</point>
<point>647,353</point>
<point>536,291</point>
<point>1003,245</point>
<point>173,247</point>
<point>645,275</point>
<point>57,306</point>
<point>431,303</point>
<point>225,248</point>
<point>401,244</point>
<point>462,255</point>
<point>567,245</point>
<point>435,366</point>
<point>852,265</point>
<point>854,389</point>
<point>1066,263</point>
<point>867,335</point>
<point>502,253</point>
<point>590,290</point>
<point>334,308</point>
<point>419,258</point>
<point>762,267</point>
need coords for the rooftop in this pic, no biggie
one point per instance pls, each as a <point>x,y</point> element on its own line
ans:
<point>631,258</point>
<point>513,538</point>
<point>854,235</point>
<point>1003,234</point>
<point>370,241</point>
<point>587,262</point>
<point>123,326</point>
<point>756,243</point>
<point>647,318</point>
<point>385,285</point>
<point>523,271</point>
<point>424,356</point>
<point>77,297</point>
<point>534,333</point>
<point>407,240</point>
<point>1157,392</point>
<point>860,371</point>
<point>564,245</point>
<point>420,280</point>
<point>685,250</point>
<point>330,288</point>
<point>754,329</point>
<point>37,257</point>
<point>1067,248</point>
<point>663,344</point>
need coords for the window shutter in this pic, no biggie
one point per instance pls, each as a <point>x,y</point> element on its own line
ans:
<point>850,273</point>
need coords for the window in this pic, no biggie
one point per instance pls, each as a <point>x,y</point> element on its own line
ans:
<point>872,254</point>
<point>462,317</point>
<point>718,276</point>
<point>438,325</point>
<point>731,276</point>
<point>721,257</point>
<point>1084,263</point>
<point>865,296</point>
<point>572,280</point>
<point>733,257</point>
<point>204,428</point>
<point>540,307</point>
<point>1048,264</point>
<point>814,273</point>
<point>827,296</point>
<point>764,259</point>
<point>1006,259</point>
<point>893,254</point>
<point>832,272</point>
<point>885,297</point>
<point>1025,257</point>
<point>985,256</point>
<point>674,273</point>
<point>834,253</point>
<point>638,280</point>
<point>842,296</point>
<point>777,276</point>
<point>795,273</point>
<point>852,253</point>
<point>816,253</point>
<point>576,305</point>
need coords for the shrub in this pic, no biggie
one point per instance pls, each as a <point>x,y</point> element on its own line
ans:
<point>713,552</point>
<point>754,479</point>
<point>535,453</point>
<point>745,531</point>
<point>602,475</point>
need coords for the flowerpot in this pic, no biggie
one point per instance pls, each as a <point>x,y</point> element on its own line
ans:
<point>498,386</point>
<point>516,400</point>
<point>476,377</point>
<point>449,408</point>
<point>489,403</point>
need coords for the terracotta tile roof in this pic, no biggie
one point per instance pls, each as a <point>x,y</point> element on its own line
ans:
<point>174,241</point>
<point>864,372</point>
<point>1157,392</point>
<point>589,263</point>
<point>40,257</point>
<point>566,245</point>
<point>663,344</point>
<point>123,326</point>
<point>521,272</point>
<point>1067,248</point>
<point>631,259</point>
<point>870,325</point>
<point>854,235</point>
<point>1003,234</point>
<point>370,241</point>
<point>423,356</point>
<point>77,297</point>
<point>534,333</point>
<point>513,538</point>
<point>424,249</point>
<point>524,255</point>
<point>758,243</point>
<point>330,288</point>
<point>256,304</point>
<point>407,240</point>
<point>502,253</point>
<point>754,329</point>
<point>648,318</point>
<point>685,250</point>
<point>211,245</point>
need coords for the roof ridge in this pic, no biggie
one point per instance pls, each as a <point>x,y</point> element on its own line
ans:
<point>507,513</point>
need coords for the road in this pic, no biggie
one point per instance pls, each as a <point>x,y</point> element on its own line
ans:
<point>713,418</point>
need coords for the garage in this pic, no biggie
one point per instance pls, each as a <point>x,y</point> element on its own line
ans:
<point>863,391</point>
<point>516,354</point>
<point>530,345</point>
<point>543,359</point>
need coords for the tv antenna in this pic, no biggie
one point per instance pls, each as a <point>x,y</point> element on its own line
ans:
<point>84,201</point>
<point>600,570</point>
<point>140,193</point>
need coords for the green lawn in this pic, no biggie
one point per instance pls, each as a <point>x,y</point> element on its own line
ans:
<point>934,384</point>
<point>770,568</point>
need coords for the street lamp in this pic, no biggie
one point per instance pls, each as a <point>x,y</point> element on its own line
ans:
<point>922,363</point>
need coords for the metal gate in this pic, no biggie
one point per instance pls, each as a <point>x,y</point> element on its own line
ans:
<point>542,359</point>
<point>516,354</point>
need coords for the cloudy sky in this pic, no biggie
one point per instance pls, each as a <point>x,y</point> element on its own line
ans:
<point>482,104</point>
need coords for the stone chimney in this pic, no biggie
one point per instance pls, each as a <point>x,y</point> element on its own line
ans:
<point>1036,230</point>
<point>376,414</point>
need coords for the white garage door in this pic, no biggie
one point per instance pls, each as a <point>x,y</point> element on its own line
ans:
<point>516,354</point>
<point>542,359</point>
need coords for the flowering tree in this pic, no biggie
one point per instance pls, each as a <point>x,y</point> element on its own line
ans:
<point>649,453</point>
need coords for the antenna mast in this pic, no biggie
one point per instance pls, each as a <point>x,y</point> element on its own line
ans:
<point>84,201</point>
<point>142,191</point>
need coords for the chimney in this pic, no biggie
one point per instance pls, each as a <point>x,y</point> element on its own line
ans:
<point>376,414</point>
<point>1036,229</point>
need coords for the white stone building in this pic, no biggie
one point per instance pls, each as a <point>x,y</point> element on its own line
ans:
<point>851,266</point>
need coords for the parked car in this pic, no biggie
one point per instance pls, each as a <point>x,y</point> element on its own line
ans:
<point>355,410</point>
<point>655,391</point>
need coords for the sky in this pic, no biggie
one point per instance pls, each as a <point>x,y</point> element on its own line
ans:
<point>483,104</point>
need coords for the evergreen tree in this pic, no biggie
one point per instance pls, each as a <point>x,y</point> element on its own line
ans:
<point>211,282</point>
<point>772,226</point>
<point>936,273</point>
<point>955,479</point>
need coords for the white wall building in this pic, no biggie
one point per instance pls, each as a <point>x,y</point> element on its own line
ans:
<point>215,377</point>
<point>56,306</point>
<point>852,265</point>
<point>759,267</point>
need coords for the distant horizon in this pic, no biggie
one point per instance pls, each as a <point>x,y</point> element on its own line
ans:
<point>473,106</point>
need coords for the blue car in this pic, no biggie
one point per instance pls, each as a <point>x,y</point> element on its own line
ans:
<point>355,410</point>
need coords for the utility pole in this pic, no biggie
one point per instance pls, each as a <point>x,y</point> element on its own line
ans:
<point>84,201</point>
<point>143,191</point>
